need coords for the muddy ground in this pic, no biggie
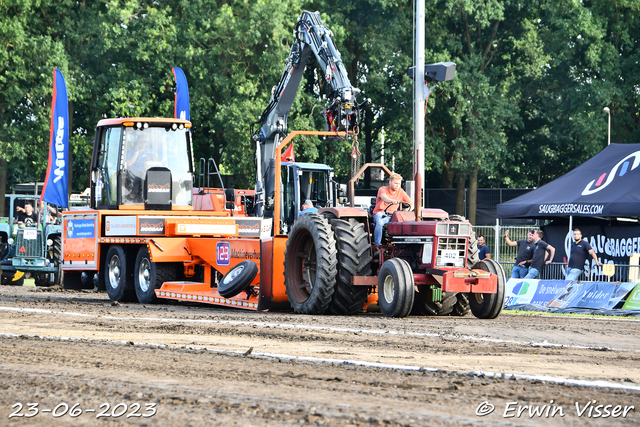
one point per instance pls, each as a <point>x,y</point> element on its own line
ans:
<point>84,361</point>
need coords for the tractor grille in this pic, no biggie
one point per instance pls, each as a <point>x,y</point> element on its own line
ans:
<point>30,247</point>
<point>452,252</point>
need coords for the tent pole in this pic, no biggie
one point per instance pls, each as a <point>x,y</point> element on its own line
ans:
<point>570,223</point>
<point>570,237</point>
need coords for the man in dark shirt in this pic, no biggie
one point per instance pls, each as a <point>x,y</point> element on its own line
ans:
<point>26,214</point>
<point>580,250</point>
<point>483,250</point>
<point>540,256</point>
<point>525,254</point>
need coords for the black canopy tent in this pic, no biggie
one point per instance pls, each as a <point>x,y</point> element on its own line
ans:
<point>607,185</point>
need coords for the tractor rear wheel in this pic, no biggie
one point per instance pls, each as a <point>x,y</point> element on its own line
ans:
<point>310,265</point>
<point>489,306</point>
<point>473,254</point>
<point>354,259</point>
<point>395,288</point>
<point>56,259</point>
<point>427,307</point>
<point>461,307</point>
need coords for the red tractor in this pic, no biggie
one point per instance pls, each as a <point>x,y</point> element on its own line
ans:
<point>427,265</point>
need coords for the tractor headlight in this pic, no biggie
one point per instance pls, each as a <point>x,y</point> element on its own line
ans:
<point>49,242</point>
<point>10,240</point>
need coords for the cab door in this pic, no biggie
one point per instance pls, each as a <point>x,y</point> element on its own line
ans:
<point>104,174</point>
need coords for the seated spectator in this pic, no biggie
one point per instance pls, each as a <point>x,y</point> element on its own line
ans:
<point>307,207</point>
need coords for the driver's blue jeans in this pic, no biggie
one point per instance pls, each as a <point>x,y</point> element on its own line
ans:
<point>380,220</point>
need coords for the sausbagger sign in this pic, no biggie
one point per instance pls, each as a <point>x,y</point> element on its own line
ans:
<point>607,185</point>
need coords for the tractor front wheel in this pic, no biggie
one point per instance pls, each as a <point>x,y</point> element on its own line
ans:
<point>395,288</point>
<point>489,306</point>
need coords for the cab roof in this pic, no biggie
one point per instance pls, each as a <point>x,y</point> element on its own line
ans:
<point>308,166</point>
<point>160,120</point>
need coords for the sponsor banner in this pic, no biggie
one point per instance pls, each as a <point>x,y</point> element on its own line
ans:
<point>249,227</point>
<point>612,244</point>
<point>633,300</point>
<point>571,209</point>
<point>244,254</point>
<point>253,227</point>
<point>120,226</point>
<point>159,188</point>
<point>532,291</point>
<point>181,108</point>
<point>80,243</point>
<point>56,182</point>
<point>621,291</point>
<point>213,229</point>
<point>267,227</point>
<point>150,226</point>
<point>223,253</point>
<point>595,295</point>
<point>80,228</point>
<point>546,290</point>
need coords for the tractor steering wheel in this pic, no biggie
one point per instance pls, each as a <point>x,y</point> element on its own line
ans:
<point>404,206</point>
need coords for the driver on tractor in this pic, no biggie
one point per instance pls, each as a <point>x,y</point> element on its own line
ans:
<point>386,201</point>
<point>137,164</point>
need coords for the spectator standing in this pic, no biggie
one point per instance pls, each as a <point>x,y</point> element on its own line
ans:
<point>580,250</point>
<point>525,254</point>
<point>483,250</point>
<point>540,256</point>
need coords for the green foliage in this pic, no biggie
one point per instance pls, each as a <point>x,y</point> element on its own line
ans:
<point>525,106</point>
<point>26,78</point>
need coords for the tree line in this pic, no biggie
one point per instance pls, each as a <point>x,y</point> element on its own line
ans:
<point>525,107</point>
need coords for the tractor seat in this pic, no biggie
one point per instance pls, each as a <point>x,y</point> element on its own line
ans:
<point>372,206</point>
<point>403,216</point>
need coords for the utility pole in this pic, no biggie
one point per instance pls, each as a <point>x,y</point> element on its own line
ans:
<point>418,101</point>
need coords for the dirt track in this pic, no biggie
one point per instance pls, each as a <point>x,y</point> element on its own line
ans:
<point>203,365</point>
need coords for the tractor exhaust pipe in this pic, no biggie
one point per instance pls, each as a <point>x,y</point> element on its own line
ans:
<point>417,195</point>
